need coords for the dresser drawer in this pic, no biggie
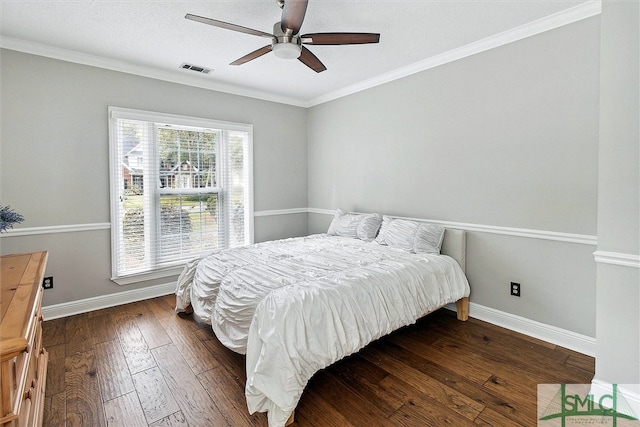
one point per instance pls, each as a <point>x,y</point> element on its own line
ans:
<point>25,411</point>
<point>21,372</point>
<point>29,411</point>
<point>36,411</point>
<point>14,377</point>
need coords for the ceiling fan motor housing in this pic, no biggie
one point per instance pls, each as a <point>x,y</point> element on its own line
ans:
<point>285,45</point>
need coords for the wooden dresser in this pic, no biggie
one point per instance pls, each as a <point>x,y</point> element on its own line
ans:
<point>24,359</point>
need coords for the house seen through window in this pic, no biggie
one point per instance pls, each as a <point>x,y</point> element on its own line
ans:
<point>180,187</point>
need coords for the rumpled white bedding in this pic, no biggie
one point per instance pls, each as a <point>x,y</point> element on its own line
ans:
<point>297,305</point>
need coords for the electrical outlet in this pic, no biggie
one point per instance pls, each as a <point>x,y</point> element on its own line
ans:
<point>47,282</point>
<point>515,289</point>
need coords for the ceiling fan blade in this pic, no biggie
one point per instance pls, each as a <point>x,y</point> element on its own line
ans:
<point>340,38</point>
<point>253,55</point>
<point>292,15</point>
<point>227,26</point>
<point>311,61</point>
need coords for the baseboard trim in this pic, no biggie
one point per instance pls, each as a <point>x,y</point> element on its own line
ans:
<point>552,334</point>
<point>66,309</point>
<point>632,397</point>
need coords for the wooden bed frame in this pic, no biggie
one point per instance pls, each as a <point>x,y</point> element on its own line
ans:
<point>455,246</point>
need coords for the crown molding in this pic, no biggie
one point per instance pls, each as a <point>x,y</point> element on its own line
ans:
<point>559,19</point>
<point>178,76</point>
<point>568,16</point>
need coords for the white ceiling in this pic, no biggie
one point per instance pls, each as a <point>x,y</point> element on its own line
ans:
<point>153,37</point>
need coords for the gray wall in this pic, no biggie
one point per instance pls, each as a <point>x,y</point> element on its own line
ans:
<point>55,159</point>
<point>618,286</point>
<point>506,138</point>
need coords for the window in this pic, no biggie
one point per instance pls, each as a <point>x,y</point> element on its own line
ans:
<point>180,187</point>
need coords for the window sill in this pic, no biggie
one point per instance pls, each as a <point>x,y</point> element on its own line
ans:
<point>149,275</point>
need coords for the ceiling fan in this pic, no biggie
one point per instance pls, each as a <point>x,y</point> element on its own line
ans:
<point>285,41</point>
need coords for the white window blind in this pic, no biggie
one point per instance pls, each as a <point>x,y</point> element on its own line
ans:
<point>180,187</point>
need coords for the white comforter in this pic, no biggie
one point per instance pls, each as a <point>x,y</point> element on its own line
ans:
<point>295,306</point>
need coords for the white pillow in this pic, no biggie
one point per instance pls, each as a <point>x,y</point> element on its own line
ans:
<point>359,226</point>
<point>411,236</point>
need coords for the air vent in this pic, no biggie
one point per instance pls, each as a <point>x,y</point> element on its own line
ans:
<point>195,68</point>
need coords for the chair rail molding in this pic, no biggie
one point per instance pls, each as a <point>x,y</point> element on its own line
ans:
<point>617,258</point>
<point>583,239</point>
<point>53,229</point>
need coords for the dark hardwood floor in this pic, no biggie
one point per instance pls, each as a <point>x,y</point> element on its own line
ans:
<point>141,364</point>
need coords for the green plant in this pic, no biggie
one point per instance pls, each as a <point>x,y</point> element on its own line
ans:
<point>8,217</point>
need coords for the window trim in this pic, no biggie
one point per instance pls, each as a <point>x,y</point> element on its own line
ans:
<point>115,113</point>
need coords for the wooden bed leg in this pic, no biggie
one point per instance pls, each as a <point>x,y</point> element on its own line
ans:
<point>462,307</point>
<point>291,419</point>
<point>188,311</point>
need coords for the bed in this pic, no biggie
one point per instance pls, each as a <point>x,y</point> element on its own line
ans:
<point>295,306</point>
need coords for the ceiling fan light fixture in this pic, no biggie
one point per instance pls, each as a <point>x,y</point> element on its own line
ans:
<point>287,50</point>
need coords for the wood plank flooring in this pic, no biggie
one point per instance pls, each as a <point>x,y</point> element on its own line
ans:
<point>141,365</point>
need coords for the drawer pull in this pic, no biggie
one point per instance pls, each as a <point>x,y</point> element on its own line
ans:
<point>15,374</point>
